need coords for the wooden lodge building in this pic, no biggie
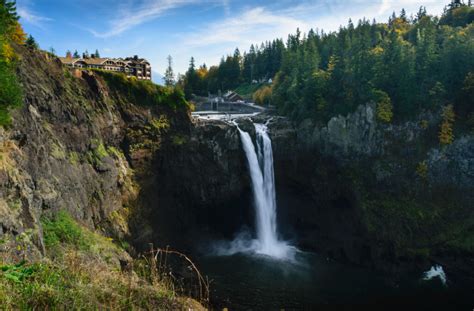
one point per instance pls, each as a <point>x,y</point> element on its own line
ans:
<point>232,97</point>
<point>131,66</point>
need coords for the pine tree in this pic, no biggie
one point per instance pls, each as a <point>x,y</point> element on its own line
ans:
<point>403,15</point>
<point>190,79</point>
<point>76,54</point>
<point>169,74</point>
<point>31,42</point>
<point>96,54</point>
<point>421,13</point>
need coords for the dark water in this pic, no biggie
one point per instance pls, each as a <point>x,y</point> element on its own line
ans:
<point>244,282</point>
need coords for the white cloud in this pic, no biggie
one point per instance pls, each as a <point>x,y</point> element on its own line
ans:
<point>32,18</point>
<point>262,23</point>
<point>384,7</point>
<point>131,15</point>
<point>388,6</point>
<point>253,25</point>
<point>258,24</point>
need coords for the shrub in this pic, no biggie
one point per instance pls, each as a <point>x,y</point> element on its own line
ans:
<point>384,106</point>
<point>263,95</point>
<point>145,93</point>
<point>160,124</point>
<point>63,229</point>
<point>446,135</point>
<point>422,170</point>
<point>179,140</point>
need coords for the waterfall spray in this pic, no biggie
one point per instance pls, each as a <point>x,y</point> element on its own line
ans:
<point>260,163</point>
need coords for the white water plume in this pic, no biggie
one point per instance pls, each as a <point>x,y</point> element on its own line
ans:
<point>260,163</point>
<point>435,272</point>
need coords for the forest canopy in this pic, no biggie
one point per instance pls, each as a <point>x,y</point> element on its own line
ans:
<point>406,65</point>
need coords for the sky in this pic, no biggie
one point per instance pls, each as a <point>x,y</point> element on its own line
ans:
<point>204,29</point>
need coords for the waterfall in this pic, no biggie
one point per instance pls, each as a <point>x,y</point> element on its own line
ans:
<point>260,163</point>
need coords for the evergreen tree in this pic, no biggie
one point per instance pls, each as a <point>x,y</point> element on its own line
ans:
<point>76,54</point>
<point>191,80</point>
<point>31,42</point>
<point>96,54</point>
<point>169,74</point>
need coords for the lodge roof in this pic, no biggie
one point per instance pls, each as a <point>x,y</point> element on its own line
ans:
<point>100,61</point>
<point>68,60</point>
<point>96,61</point>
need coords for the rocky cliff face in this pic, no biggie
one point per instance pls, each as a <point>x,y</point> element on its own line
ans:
<point>378,194</point>
<point>135,173</point>
<point>197,188</point>
<point>66,150</point>
<point>58,155</point>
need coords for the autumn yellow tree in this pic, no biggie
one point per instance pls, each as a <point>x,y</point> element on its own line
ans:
<point>263,95</point>
<point>384,106</point>
<point>17,34</point>
<point>10,33</point>
<point>446,135</point>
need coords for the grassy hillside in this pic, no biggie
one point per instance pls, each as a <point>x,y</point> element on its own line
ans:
<point>85,270</point>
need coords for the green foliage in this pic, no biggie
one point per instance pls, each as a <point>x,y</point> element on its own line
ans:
<point>145,93</point>
<point>384,106</point>
<point>16,273</point>
<point>74,158</point>
<point>246,90</point>
<point>98,152</point>
<point>458,17</point>
<point>251,69</point>
<point>161,124</point>
<point>465,106</point>
<point>83,272</point>
<point>420,64</point>
<point>179,140</point>
<point>446,135</point>
<point>57,151</point>
<point>263,95</point>
<point>422,170</point>
<point>63,229</point>
<point>10,90</point>
<point>81,281</point>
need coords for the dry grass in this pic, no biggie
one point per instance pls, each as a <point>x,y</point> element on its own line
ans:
<point>93,276</point>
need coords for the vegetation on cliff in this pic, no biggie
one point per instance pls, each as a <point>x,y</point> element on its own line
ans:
<point>145,93</point>
<point>10,33</point>
<point>84,270</point>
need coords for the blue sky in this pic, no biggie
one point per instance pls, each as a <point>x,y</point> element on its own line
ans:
<point>205,29</point>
